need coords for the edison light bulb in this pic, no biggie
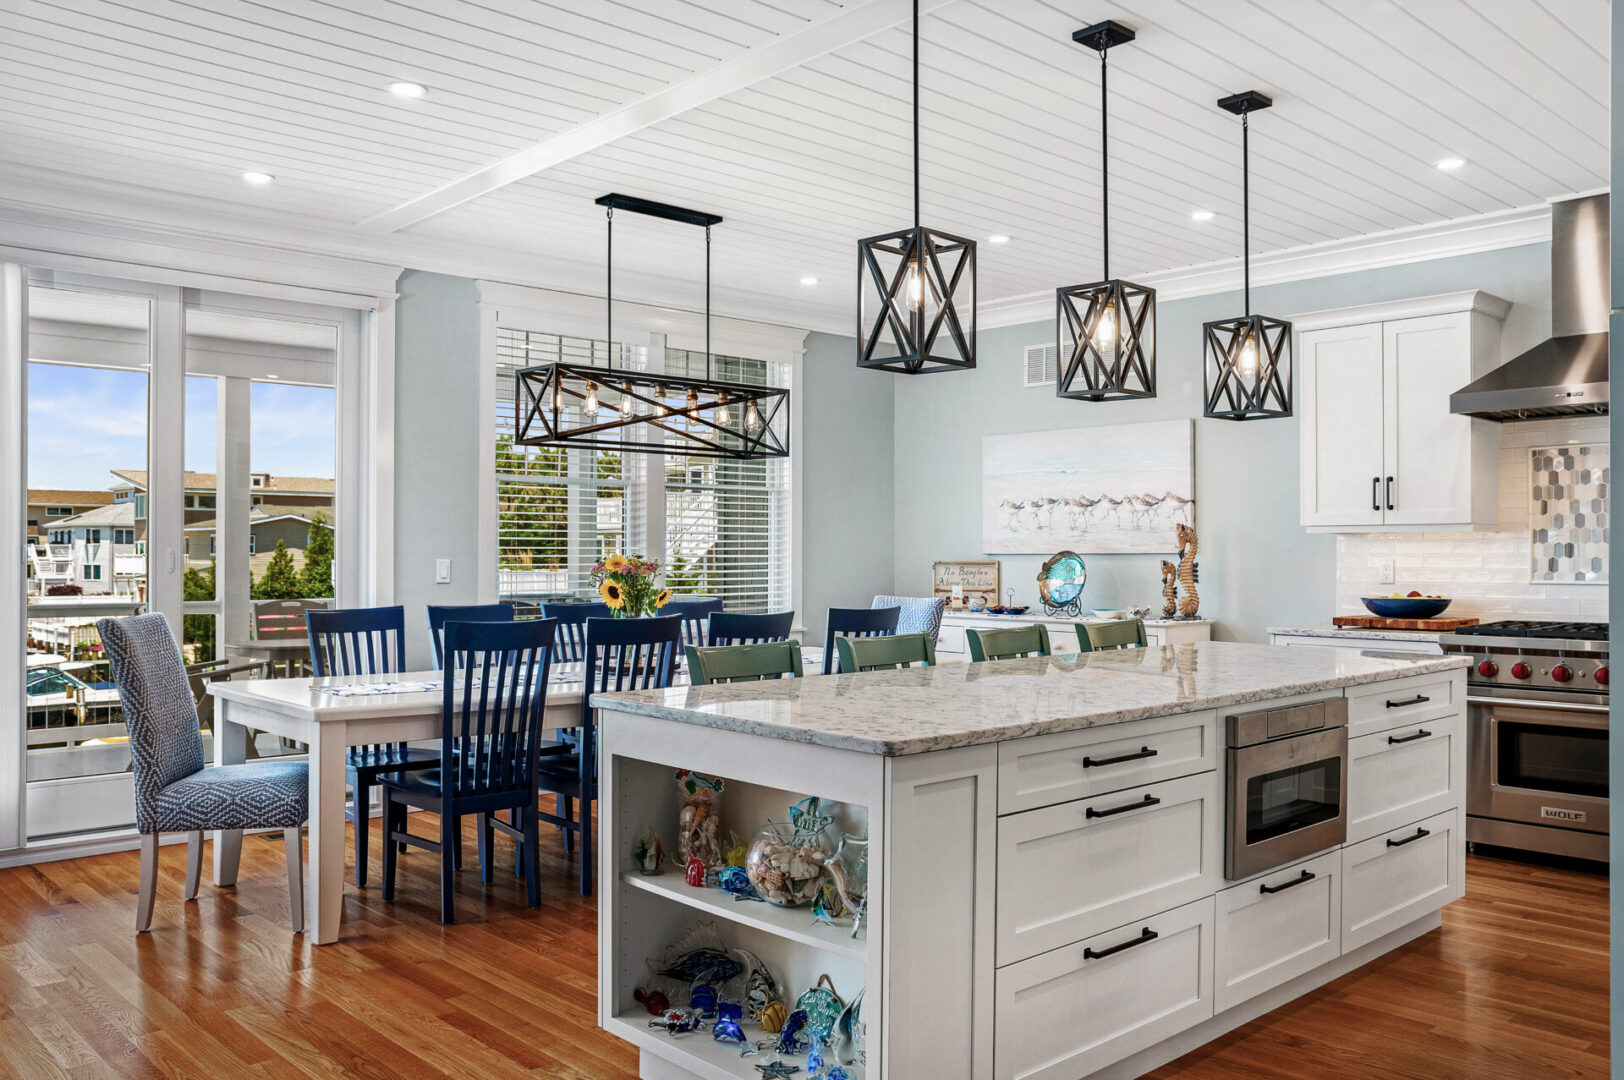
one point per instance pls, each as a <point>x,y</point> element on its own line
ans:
<point>752,418</point>
<point>1247,362</point>
<point>693,403</point>
<point>626,399</point>
<point>724,416</point>
<point>913,288</point>
<point>1105,329</point>
<point>660,409</point>
<point>591,399</point>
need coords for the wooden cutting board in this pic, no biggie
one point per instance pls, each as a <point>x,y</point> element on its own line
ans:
<point>1376,622</point>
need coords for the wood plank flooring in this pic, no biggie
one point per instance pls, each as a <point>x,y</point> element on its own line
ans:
<point>1513,988</point>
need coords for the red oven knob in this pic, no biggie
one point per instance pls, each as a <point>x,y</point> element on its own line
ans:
<point>1561,673</point>
<point>1601,675</point>
<point>1520,670</point>
<point>1488,669</point>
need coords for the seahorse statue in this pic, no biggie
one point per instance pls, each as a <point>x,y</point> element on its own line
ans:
<point>1188,573</point>
<point>1170,590</point>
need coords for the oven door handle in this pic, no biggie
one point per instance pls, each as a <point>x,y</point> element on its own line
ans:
<point>1525,703</point>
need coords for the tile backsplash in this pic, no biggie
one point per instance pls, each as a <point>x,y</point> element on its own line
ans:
<point>1487,573</point>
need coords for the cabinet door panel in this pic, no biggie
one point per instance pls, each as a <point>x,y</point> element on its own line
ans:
<point>1402,775</point>
<point>1427,451</point>
<point>1275,928</point>
<point>1399,876</point>
<point>1342,426</point>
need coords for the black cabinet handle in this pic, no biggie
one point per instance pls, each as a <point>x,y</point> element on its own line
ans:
<point>1390,505</point>
<point>1144,752</point>
<point>1147,935</point>
<point>1149,800</point>
<point>1419,699</point>
<point>1375,498</point>
<point>1268,890</point>
<point>1419,833</point>
<point>1421,733</point>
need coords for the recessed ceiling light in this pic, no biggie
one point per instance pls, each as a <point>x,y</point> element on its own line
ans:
<point>258,179</point>
<point>997,238</point>
<point>407,89</point>
<point>1201,215</point>
<point>1450,164</point>
<point>809,280</point>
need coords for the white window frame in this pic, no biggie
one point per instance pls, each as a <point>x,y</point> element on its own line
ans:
<point>518,307</point>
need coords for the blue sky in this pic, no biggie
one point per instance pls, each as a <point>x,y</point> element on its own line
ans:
<point>84,422</point>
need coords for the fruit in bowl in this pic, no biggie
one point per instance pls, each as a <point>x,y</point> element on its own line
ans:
<point>1412,605</point>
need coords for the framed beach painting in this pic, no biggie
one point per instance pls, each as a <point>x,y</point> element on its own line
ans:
<point>1095,490</point>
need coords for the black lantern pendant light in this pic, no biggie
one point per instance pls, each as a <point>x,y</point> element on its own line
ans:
<point>1247,360</point>
<point>611,408</point>
<point>916,291</point>
<point>1105,330</point>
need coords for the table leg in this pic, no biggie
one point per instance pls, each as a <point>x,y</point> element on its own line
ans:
<point>230,748</point>
<point>326,877</point>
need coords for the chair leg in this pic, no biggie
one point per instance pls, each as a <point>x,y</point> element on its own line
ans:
<point>363,827</point>
<point>456,834</point>
<point>586,846</point>
<point>532,858</point>
<point>482,825</point>
<point>194,862</point>
<point>564,812</point>
<point>149,882</point>
<point>448,869</point>
<point>389,853</point>
<point>293,840</point>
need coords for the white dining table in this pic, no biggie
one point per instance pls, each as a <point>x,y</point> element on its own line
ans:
<point>303,711</point>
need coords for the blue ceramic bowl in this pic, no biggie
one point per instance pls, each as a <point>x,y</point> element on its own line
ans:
<point>1408,607</point>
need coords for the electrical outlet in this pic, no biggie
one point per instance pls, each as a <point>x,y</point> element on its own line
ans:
<point>1387,572</point>
<point>442,571</point>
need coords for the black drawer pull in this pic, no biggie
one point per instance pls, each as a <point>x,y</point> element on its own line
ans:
<point>1421,733</point>
<point>1419,833</point>
<point>1144,752</point>
<point>1419,699</point>
<point>1147,935</point>
<point>1150,800</point>
<point>1268,890</point>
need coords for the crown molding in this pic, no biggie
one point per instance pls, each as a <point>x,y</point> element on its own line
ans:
<point>1416,243</point>
<point>1475,301</point>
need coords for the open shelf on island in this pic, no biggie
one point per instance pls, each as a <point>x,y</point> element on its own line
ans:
<point>702,1055</point>
<point>793,924</point>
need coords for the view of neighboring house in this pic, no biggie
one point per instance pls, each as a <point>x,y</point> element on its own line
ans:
<point>266,525</point>
<point>47,506</point>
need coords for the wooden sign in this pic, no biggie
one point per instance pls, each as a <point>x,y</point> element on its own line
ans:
<point>959,581</point>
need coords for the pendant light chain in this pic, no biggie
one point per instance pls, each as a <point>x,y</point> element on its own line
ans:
<point>1105,169</point>
<point>609,288</point>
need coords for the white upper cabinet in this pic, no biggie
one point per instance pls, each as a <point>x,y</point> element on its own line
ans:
<point>1380,448</point>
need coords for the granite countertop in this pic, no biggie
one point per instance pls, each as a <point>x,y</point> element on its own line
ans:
<point>1369,633</point>
<point>913,710</point>
<point>1039,616</point>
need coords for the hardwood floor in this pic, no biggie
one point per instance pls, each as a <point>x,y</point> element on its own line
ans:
<point>1514,988</point>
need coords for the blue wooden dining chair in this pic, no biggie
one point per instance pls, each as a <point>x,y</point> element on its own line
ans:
<point>621,654</point>
<point>491,729</point>
<point>569,645</point>
<point>733,628</point>
<point>855,622</point>
<point>440,614</point>
<point>365,641</point>
<point>694,612</point>
<point>174,792</point>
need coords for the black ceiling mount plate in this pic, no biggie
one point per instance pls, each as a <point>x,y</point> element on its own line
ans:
<point>1249,101</point>
<point>1104,35</point>
<point>658,209</point>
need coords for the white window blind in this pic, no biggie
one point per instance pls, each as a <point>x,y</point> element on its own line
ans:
<point>727,522</point>
<point>560,511</point>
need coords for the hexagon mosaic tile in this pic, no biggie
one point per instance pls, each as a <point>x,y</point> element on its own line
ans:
<point>1569,528</point>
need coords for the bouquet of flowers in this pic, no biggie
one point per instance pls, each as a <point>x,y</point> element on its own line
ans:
<point>627,585</point>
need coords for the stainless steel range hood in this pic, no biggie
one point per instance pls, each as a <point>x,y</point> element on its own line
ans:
<point>1565,375</point>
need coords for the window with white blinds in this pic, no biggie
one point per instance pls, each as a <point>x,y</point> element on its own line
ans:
<point>727,522</point>
<point>560,511</point>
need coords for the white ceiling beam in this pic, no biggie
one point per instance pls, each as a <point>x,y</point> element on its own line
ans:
<point>825,36</point>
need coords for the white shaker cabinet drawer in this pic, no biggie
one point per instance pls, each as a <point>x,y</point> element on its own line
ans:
<point>1051,769</point>
<point>951,640</point>
<point>1403,775</point>
<point>1398,877</point>
<point>1403,701</point>
<point>1078,1009</point>
<point>1070,871</point>
<point>1276,927</point>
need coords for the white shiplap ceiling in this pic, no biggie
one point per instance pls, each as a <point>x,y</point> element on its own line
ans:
<point>790,119</point>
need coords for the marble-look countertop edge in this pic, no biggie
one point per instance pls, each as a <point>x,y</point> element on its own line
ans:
<point>627,703</point>
<point>1359,633</point>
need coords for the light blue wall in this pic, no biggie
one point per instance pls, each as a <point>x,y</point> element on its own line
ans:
<point>1258,567</point>
<point>437,452</point>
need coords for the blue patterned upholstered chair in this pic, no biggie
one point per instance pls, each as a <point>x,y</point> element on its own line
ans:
<point>173,790</point>
<point>920,614</point>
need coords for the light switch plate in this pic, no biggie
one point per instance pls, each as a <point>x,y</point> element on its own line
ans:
<point>442,571</point>
<point>1387,572</point>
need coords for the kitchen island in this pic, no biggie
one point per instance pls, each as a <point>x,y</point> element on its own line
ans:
<point>1047,895</point>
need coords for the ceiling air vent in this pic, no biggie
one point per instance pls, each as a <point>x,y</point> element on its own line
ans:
<point>1042,365</point>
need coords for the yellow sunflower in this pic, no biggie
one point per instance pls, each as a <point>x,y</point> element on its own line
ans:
<point>612,594</point>
<point>616,564</point>
<point>663,599</point>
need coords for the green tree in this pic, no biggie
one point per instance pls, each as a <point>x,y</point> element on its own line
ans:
<point>317,575</point>
<point>281,581</point>
<point>198,630</point>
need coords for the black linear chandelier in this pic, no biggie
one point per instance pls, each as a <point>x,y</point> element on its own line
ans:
<point>1105,330</point>
<point>1247,360</point>
<point>916,291</point>
<point>610,408</point>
